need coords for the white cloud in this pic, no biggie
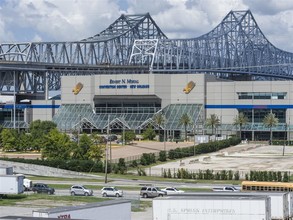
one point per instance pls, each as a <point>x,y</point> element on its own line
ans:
<point>68,20</point>
<point>60,20</point>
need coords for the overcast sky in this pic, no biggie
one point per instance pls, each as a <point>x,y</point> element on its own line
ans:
<point>68,20</point>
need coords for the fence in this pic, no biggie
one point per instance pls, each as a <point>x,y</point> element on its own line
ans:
<point>218,174</point>
<point>128,160</point>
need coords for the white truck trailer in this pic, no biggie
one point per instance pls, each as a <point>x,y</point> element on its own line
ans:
<point>280,201</point>
<point>11,184</point>
<point>6,170</point>
<point>212,208</point>
<point>111,210</point>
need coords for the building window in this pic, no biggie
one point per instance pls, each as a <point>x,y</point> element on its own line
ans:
<point>262,95</point>
<point>258,115</point>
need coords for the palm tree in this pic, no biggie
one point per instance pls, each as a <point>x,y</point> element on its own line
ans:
<point>270,121</point>
<point>240,120</point>
<point>185,120</point>
<point>213,121</point>
<point>159,120</point>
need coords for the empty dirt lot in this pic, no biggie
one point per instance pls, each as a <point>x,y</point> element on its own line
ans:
<point>243,157</point>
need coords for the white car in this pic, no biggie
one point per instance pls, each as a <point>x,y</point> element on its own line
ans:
<point>172,190</point>
<point>80,190</point>
<point>111,191</point>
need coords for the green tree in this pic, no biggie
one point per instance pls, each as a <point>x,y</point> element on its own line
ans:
<point>270,121</point>
<point>185,120</point>
<point>56,145</point>
<point>9,139</point>
<point>149,133</point>
<point>97,149</point>
<point>38,129</point>
<point>129,136</point>
<point>240,120</point>
<point>213,121</point>
<point>24,141</point>
<point>81,151</point>
<point>42,126</point>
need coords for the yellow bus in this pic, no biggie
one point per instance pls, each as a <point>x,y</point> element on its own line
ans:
<point>266,186</point>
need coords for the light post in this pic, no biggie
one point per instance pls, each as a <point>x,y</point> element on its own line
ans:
<point>164,139</point>
<point>79,128</point>
<point>123,135</point>
<point>14,102</point>
<point>194,140</point>
<point>284,139</point>
<point>164,132</point>
<point>18,121</point>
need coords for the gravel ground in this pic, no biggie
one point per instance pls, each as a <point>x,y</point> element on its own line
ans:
<point>243,157</point>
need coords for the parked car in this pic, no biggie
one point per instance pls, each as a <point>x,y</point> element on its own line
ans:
<point>172,190</point>
<point>42,188</point>
<point>111,191</point>
<point>226,189</point>
<point>80,190</point>
<point>112,137</point>
<point>151,192</point>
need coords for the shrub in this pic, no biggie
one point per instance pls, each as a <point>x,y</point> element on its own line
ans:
<point>162,156</point>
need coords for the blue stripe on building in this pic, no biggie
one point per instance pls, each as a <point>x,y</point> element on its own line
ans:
<point>23,106</point>
<point>249,106</point>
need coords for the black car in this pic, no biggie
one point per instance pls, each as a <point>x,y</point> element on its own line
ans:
<point>43,188</point>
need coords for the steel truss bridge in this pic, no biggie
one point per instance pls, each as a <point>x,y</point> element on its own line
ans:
<point>135,44</point>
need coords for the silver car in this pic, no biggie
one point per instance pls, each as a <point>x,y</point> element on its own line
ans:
<point>111,191</point>
<point>80,190</point>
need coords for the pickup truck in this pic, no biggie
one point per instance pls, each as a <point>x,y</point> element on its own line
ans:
<point>226,189</point>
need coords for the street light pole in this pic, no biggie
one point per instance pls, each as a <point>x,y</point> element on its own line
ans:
<point>14,102</point>
<point>78,130</point>
<point>194,140</point>
<point>164,139</point>
<point>285,132</point>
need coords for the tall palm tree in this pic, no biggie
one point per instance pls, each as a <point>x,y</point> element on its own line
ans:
<point>213,121</point>
<point>270,121</point>
<point>159,120</point>
<point>185,120</point>
<point>240,120</point>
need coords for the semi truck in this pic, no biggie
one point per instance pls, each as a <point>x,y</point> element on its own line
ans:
<point>110,210</point>
<point>281,202</point>
<point>210,208</point>
<point>11,184</point>
<point>27,184</point>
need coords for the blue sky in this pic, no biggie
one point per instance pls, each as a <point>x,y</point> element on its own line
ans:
<point>68,20</point>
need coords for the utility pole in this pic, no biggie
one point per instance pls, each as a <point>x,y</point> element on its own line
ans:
<point>110,146</point>
<point>106,153</point>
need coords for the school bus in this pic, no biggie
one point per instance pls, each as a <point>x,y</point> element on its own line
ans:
<point>266,186</point>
